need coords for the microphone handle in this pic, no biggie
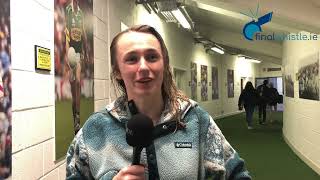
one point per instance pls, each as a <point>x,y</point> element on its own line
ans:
<point>132,107</point>
<point>136,155</point>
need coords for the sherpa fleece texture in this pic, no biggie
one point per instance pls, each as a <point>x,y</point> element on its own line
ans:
<point>100,151</point>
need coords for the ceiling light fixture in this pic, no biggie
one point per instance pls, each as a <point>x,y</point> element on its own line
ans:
<point>170,11</point>
<point>181,18</point>
<point>252,60</point>
<point>248,58</point>
<point>218,50</point>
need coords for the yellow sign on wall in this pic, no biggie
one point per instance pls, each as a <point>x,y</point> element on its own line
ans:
<point>43,58</point>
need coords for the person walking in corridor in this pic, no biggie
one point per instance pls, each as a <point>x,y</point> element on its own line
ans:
<point>274,100</point>
<point>263,91</point>
<point>248,98</point>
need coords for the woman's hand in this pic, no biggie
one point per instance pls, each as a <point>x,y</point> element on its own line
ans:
<point>134,172</point>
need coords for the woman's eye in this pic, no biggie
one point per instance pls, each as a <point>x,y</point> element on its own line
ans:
<point>131,59</point>
<point>152,57</point>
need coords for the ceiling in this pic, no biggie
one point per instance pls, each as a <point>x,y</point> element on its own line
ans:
<point>222,21</point>
<point>290,14</point>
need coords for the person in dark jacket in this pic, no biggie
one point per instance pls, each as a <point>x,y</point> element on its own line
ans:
<point>273,101</point>
<point>274,97</point>
<point>263,91</point>
<point>248,98</point>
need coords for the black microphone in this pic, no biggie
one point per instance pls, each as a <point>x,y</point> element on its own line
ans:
<point>132,107</point>
<point>138,134</point>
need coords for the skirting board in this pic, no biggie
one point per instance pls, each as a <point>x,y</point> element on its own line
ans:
<point>305,159</point>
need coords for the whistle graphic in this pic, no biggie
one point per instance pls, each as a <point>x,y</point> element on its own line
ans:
<point>252,27</point>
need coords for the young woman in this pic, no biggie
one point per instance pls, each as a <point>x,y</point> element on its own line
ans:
<point>187,144</point>
<point>249,98</point>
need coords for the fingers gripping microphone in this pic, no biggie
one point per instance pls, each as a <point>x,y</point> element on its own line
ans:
<point>138,133</point>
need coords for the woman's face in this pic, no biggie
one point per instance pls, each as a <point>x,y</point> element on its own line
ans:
<point>140,63</point>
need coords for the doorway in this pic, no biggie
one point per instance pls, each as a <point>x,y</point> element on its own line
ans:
<point>179,78</point>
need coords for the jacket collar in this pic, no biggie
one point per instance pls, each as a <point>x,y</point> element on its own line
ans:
<point>120,111</point>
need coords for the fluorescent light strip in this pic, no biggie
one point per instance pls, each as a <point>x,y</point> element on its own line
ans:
<point>168,16</point>
<point>241,58</point>
<point>253,60</point>
<point>180,17</point>
<point>220,51</point>
<point>223,11</point>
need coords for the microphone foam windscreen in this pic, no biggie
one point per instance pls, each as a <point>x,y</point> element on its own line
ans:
<point>139,130</point>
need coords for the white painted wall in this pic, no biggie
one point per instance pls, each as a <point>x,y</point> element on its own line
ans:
<point>101,30</point>
<point>262,70</point>
<point>33,93</point>
<point>119,11</point>
<point>301,125</point>
<point>33,134</point>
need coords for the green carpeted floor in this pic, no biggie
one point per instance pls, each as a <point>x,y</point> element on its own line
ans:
<point>266,154</point>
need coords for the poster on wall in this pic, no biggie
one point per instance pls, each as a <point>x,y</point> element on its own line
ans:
<point>215,86</point>
<point>193,81</point>
<point>289,81</point>
<point>230,83</point>
<point>73,60</point>
<point>5,92</point>
<point>308,77</point>
<point>204,83</point>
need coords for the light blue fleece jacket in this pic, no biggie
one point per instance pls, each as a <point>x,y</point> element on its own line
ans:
<point>200,151</point>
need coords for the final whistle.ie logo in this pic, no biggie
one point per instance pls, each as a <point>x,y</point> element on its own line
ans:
<point>251,28</point>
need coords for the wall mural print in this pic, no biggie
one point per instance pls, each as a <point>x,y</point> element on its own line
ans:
<point>230,83</point>
<point>204,83</point>
<point>5,91</point>
<point>308,76</point>
<point>194,82</point>
<point>73,58</point>
<point>289,81</point>
<point>215,83</point>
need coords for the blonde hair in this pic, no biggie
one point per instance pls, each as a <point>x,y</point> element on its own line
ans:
<point>170,92</point>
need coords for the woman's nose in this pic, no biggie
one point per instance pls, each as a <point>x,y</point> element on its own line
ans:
<point>143,64</point>
<point>143,68</point>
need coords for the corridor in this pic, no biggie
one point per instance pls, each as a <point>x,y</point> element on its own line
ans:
<point>266,153</point>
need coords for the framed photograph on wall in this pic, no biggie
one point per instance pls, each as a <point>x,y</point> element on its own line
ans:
<point>5,92</point>
<point>289,81</point>
<point>74,62</point>
<point>230,83</point>
<point>204,83</point>
<point>193,83</point>
<point>308,77</point>
<point>215,83</point>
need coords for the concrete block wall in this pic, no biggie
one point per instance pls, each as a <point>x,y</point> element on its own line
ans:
<point>120,11</point>
<point>33,92</point>
<point>301,125</point>
<point>33,111</point>
<point>101,34</point>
